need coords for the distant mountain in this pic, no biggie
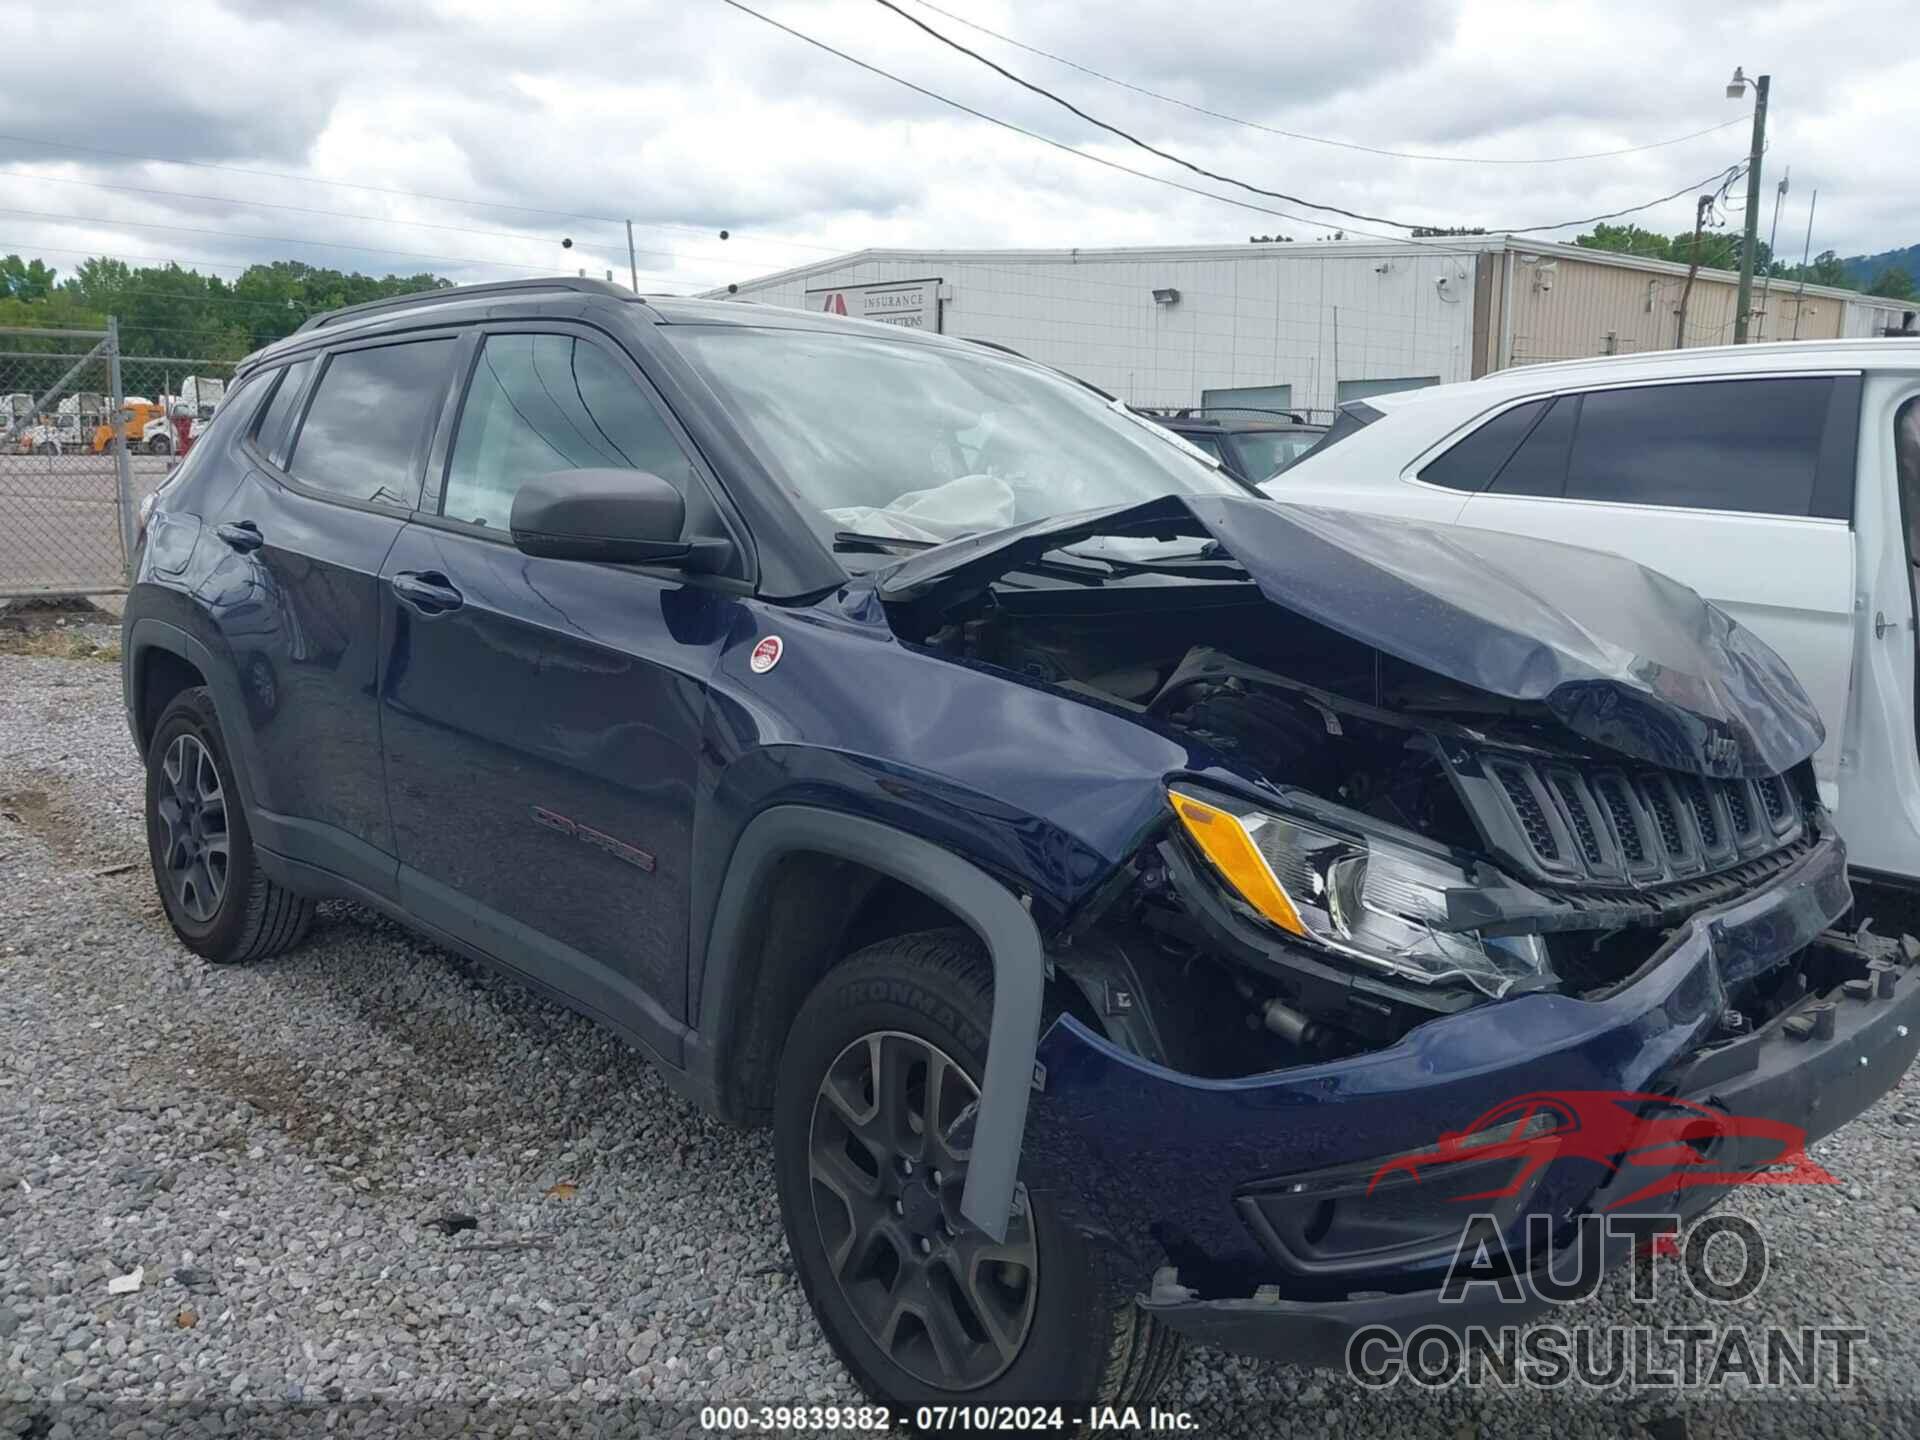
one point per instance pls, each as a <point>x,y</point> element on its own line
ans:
<point>1863,270</point>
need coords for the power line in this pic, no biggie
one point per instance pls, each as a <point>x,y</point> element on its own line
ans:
<point>1724,176</point>
<point>37,246</point>
<point>1021,130</point>
<point>1136,141</point>
<point>386,190</point>
<point>336,214</point>
<point>110,223</point>
<point>1437,247</point>
<point>1320,139</point>
<point>1169,156</point>
<point>982,265</point>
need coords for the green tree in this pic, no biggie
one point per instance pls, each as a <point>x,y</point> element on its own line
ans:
<point>1628,240</point>
<point>1827,269</point>
<point>1719,249</point>
<point>25,279</point>
<point>1894,283</point>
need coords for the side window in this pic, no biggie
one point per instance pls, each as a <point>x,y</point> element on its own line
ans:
<point>1539,466</point>
<point>540,403</point>
<point>276,422</point>
<point>367,431</point>
<point>1472,462</point>
<point>1743,445</point>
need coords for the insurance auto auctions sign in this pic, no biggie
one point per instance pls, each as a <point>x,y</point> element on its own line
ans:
<point>911,304</point>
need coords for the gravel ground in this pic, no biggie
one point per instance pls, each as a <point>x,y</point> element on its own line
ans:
<point>268,1144</point>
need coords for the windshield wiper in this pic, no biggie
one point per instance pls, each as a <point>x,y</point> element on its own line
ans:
<point>1209,563</point>
<point>878,544</point>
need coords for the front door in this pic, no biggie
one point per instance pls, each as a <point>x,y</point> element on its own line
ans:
<point>542,718</point>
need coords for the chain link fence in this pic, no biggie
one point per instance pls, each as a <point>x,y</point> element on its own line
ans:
<point>85,434</point>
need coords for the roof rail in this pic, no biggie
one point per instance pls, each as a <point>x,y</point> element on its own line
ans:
<point>1293,416</point>
<point>462,292</point>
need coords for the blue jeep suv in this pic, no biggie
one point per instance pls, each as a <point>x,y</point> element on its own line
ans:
<point>1107,885</point>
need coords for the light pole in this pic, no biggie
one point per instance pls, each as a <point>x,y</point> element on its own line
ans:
<point>1736,89</point>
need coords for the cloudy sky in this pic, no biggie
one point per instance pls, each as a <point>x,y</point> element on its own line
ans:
<point>470,139</point>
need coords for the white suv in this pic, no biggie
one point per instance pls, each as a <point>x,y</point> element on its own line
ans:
<point>1780,481</point>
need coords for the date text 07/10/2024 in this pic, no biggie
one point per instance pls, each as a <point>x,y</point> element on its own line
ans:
<point>978,1419</point>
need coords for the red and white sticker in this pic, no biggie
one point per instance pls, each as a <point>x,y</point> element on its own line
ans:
<point>765,655</point>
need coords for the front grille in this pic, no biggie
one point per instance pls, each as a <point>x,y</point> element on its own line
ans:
<point>1571,822</point>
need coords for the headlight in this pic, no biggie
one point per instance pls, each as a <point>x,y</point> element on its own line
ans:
<point>1363,896</point>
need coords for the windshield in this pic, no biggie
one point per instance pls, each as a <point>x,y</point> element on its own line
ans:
<point>1354,417</point>
<point>1264,452</point>
<point>893,438</point>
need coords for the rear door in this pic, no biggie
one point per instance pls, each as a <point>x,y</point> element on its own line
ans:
<point>542,718</point>
<point>1741,488</point>
<point>337,455</point>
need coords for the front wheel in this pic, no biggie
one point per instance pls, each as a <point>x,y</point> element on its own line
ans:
<point>923,1309</point>
<point>218,900</point>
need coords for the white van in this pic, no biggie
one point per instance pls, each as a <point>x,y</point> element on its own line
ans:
<point>1781,481</point>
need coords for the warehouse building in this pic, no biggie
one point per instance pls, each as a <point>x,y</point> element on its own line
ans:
<point>1311,325</point>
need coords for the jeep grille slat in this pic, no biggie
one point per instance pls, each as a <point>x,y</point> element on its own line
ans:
<point>1533,819</point>
<point>1612,790</point>
<point>1738,809</point>
<point>1568,788</point>
<point>1570,822</point>
<point>1654,793</point>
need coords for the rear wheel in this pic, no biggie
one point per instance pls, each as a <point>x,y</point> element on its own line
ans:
<point>160,445</point>
<point>923,1309</point>
<point>218,900</point>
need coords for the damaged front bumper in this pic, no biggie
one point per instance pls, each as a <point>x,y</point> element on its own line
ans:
<point>1249,1198</point>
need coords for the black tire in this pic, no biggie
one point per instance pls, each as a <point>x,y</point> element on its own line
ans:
<point>218,900</point>
<point>160,445</point>
<point>935,990</point>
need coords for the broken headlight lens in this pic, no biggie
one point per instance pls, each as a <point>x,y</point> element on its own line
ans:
<point>1364,896</point>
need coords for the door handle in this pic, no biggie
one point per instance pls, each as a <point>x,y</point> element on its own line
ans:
<point>242,535</point>
<point>427,591</point>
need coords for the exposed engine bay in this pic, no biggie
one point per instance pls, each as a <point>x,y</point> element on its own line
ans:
<point>1426,846</point>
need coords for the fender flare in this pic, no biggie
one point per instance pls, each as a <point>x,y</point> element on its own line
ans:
<point>989,909</point>
<point>149,633</point>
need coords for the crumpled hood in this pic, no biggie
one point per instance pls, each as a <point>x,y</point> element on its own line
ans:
<point>1620,654</point>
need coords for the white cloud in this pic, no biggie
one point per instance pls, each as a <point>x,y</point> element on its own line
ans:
<point>692,117</point>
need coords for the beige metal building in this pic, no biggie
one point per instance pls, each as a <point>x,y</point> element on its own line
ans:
<point>1309,325</point>
<point>1567,302</point>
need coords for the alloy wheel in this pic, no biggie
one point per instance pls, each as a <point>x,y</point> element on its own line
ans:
<point>193,814</point>
<point>946,1303</point>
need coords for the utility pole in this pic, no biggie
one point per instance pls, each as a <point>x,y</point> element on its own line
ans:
<point>1734,91</point>
<point>633,265</point>
<point>1800,301</point>
<point>1693,268</point>
<point>1766,287</point>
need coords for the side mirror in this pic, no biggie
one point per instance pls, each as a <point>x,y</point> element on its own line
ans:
<point>619,517</point>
